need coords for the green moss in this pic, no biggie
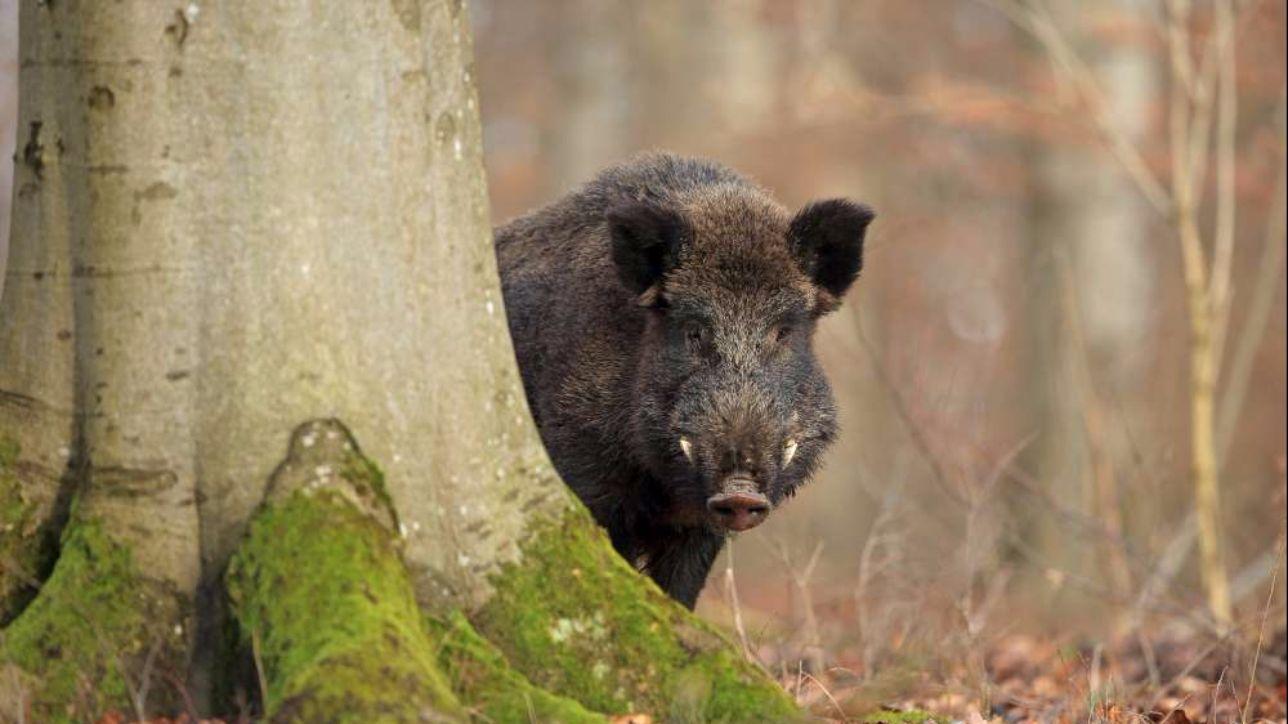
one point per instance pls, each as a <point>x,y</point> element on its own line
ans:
<point>15,510</point>
<point>322,596</point>
<point>25,547</point>
<point>97,626</point>
<point>481,676</point>
<point>575,619</point>
<point>367,478</point>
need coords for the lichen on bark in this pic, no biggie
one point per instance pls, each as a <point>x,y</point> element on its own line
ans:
<point>574,618</point>
<point>100,636</point>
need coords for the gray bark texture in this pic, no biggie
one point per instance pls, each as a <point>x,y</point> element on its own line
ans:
<point>238,217</point>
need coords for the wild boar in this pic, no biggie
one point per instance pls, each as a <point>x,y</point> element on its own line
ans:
<point>663,317</point>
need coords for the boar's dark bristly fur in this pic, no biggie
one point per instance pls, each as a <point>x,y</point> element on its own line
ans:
<point>663,317</point>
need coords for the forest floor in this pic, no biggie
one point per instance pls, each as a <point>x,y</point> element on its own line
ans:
<point>1024,679</point>
<point>1175,673</point>
<point>921,669</point>
<point>1168,670</point>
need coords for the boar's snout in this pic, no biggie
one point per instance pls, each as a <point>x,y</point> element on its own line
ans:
<point>731,450</point>
<point>738,511</point>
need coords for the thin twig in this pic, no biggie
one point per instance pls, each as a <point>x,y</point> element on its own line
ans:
<point>189,705</point>
<point>1103,477</point>
<point>259,669</point>
<point>1037,21</point>
<point>145,679</point>
<point>1261,634</point>
<point>1264,292</point>
<point>1216,690</point>
<point>731,588</point>
<point>913,430</point>
<point>801,580</point>
<point>1151,661</point>
<point>1227,113</point>
<point>868,570</point>
<point>1168,567</point>
<point>837,705</point>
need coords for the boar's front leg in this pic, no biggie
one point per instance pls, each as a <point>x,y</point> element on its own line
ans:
<point>679,560</point>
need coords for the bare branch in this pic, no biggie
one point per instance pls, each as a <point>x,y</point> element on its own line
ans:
<point>1185,126</point>
<point>1227,110</point>
<point>1178,39</point>
<point>937,468</point>
<point>813,648</point>
<point>1037,20</point>
<point>1218,46</point>
<point>869,570</point>
<point>1169,565</point>
<point>1103,477</point>
<point>1264,291</point>
<point>1183,159</point>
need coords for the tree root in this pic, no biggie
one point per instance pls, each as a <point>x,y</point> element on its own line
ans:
<point>322,597</point>
<point>576,619</point>
<point>28,535</point>
<point>99,636</point>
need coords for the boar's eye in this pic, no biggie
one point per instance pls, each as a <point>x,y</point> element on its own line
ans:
<point>782,332</point>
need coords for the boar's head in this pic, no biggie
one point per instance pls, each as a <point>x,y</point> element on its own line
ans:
<point>731,410</point>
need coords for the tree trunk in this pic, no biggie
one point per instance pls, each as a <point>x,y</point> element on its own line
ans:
<point>236,218</point>
<point>1090,232</point>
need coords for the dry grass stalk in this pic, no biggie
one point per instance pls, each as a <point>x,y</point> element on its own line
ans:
<point>731,592</point>
<point>812,641</point>
<point>1261,633</point>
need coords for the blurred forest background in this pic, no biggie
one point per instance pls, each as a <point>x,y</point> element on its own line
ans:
<point>1013,369</point>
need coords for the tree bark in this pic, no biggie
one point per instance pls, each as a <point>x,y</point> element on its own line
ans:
<point>238,218</point>
<point>37,390</point>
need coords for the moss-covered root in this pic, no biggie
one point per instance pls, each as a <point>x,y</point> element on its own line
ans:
<point>98,637</point>
<point>481,676</point>
<point>575,619</point>
<point>28,541</point>
<point>321,595</point>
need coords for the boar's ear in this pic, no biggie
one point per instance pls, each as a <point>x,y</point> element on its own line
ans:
<point>827,237</point>
<point>646,241</point>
